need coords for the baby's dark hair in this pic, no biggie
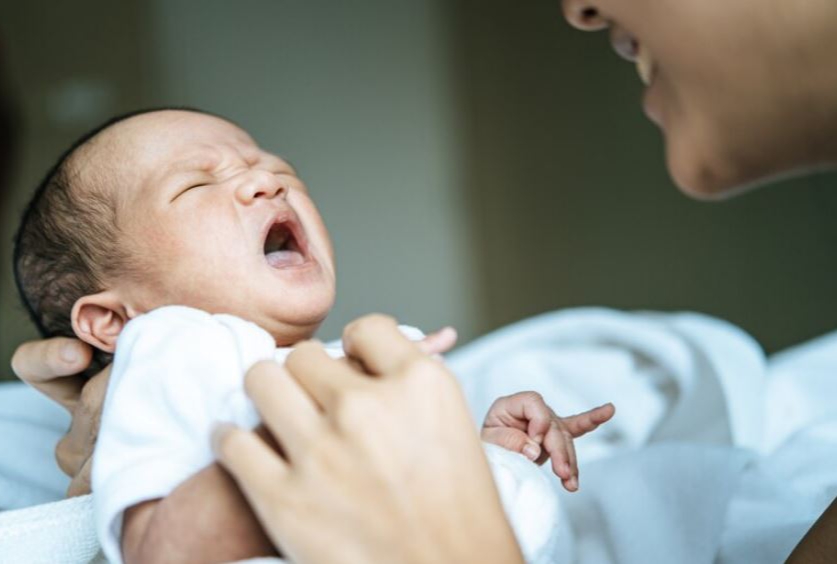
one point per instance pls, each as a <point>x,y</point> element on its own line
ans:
<point>67,242</point>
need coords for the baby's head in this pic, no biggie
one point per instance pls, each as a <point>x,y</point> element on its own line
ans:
<point>172,207</point>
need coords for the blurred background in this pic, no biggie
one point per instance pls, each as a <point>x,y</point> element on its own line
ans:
<point>477,162</point>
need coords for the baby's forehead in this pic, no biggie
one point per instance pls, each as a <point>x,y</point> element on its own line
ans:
<point>169,134</point>
<point>151,143</point>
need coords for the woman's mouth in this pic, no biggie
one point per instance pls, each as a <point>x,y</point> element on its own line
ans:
<point>284,244</point>
<point>629,48</point>
<point>645,66</point>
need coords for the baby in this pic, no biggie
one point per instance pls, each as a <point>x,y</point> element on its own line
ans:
<point>172,234</point>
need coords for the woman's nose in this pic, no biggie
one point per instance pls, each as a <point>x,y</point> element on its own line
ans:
<point>256,184</point>
<point>584,15</point>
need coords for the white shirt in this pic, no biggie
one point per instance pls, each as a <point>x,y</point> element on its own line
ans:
<point>178,371</point>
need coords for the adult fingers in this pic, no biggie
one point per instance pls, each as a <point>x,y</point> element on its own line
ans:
<point>77,445</point>
<point>583,423</point>
<point>52,366</point>
<point>322,378</point>
<point>513,440</point>
<point>288,411</point>
<point>378,345</point>
<point>254,465</point>
<point>80,484</point>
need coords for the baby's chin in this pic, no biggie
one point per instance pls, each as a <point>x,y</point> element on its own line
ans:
<point>289,335</point>
<point>289,327</point>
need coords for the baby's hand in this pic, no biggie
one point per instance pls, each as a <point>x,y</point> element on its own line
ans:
<point>439,342</point>
<point>523,423</point>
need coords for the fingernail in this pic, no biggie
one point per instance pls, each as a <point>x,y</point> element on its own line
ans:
<point>531,452</point>
<point>573,483</point>
<point>69,354</point>
<point>538,438</point>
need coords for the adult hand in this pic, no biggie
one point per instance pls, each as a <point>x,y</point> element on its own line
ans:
<point>53,367</point>
<point>377,466</point>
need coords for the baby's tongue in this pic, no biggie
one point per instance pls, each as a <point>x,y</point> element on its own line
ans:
<point>283,259</point>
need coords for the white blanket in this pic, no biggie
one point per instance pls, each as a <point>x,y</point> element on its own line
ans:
<point>714,454</point>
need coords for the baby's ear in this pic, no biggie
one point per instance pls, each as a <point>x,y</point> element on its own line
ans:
<point>99,318</point>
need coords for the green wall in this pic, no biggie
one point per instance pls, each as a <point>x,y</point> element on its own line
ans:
<point>504,155</point>
<point>573,205</point>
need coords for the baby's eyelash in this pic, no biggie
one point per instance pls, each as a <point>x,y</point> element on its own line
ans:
<point>188,189</point>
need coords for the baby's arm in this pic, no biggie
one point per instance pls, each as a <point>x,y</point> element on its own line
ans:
<point>205,519</point>
<point>523,423</point>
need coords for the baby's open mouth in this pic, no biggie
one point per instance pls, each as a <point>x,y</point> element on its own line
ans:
<point>284,245</point>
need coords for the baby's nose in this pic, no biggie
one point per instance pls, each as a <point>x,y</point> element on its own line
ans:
<point>255,184</point>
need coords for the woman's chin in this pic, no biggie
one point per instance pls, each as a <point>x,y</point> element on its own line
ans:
<point>703,169</point>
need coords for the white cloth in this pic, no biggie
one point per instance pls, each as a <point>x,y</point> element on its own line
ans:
<point>684,473</point>
<point>50,533</point>
<point>713,454</point>
<point>177,372</point>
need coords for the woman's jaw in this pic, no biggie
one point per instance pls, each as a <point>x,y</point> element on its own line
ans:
<point>743,92</point>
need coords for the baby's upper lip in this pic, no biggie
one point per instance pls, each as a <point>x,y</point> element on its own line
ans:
<point>287,218</point>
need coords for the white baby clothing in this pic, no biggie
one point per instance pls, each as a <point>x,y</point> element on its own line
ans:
<point>178,371</point>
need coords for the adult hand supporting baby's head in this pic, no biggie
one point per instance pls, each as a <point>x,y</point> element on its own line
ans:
<point>383,460</point>
<point>53,367</point>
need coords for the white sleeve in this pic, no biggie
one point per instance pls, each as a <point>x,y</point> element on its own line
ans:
<point>175,371</point>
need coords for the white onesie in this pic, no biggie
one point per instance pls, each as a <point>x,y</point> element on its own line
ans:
<point>177,372</point>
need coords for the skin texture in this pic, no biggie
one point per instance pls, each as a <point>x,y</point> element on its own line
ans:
<point>435,504</point>
<point>742,91</point>
<point>523,423</point>
<point>195,196</point>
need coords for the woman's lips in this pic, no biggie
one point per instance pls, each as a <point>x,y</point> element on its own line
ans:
<point>645,66</point>
<point>651,105</point>
<point>629,48</point>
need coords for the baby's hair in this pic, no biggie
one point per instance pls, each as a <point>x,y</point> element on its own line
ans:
<point>67,244</point>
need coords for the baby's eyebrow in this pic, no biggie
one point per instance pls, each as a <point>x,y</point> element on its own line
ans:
<point>204,161</point>
<point>279,162</point>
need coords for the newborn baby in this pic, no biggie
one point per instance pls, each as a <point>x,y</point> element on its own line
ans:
<point>172,240</point>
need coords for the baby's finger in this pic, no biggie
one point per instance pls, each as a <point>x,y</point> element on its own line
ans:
<point>572,483</point>
<point>558,445</point>
<point>513,440</point>
<point>438,342</point>
<point>583,423</point>
<point>524,410</point>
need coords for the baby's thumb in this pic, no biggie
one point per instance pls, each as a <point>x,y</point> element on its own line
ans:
<point>512,439</point>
